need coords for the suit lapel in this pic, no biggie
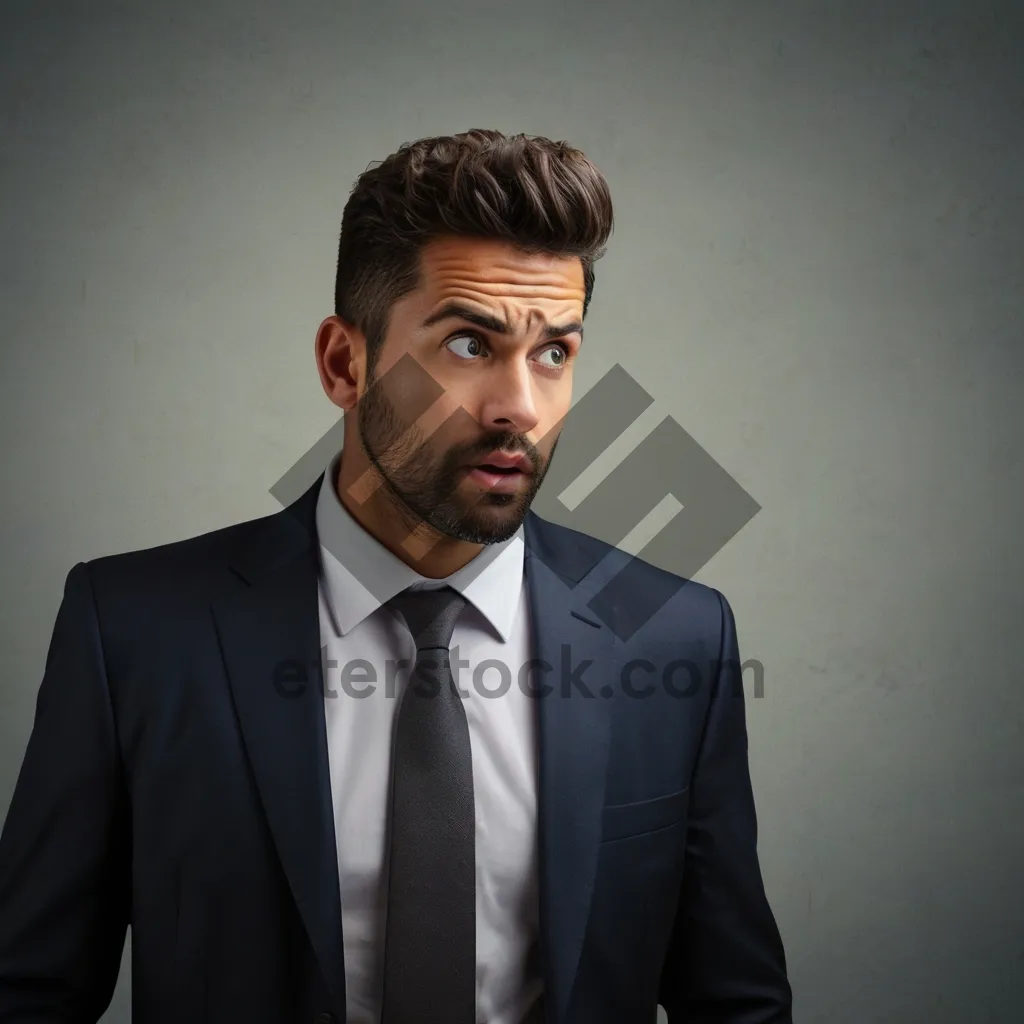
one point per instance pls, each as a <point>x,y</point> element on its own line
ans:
<point>272,625</point>
<point>574,731</point>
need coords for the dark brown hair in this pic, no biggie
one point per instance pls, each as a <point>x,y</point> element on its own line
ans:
<point>542,196</point>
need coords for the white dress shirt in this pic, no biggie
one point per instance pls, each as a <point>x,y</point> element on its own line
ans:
<point>359,639</point>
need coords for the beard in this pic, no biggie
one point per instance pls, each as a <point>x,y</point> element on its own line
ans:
<point>422,477</point>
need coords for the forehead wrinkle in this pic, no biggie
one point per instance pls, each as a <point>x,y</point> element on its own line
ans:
<point>524,291</point>
<point>567,299</point>
<point>515,315</point>
<point>500,260</point>
<point>503,285</point>
<point>505,301</point>
<point>533,283</point>
<point>496,276</point>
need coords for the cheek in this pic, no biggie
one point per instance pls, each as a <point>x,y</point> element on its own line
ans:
<point>453,418</point>
<point>422,400</point>
<point>552,409</point>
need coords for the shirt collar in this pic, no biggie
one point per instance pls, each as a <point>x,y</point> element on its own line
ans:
<point>371,574</point>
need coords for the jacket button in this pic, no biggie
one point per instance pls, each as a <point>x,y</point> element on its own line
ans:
<point>324,1018</point>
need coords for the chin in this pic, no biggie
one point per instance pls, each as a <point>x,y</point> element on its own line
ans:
<point>489,522</point>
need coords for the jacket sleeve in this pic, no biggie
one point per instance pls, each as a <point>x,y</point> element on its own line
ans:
<point>726,963</point>
<point>65,861</point>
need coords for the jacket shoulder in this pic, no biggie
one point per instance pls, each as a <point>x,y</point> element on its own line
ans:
<point>194,568</point>
<point>619,575</point>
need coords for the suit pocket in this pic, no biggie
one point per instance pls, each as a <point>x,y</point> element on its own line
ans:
<point>620,821</point>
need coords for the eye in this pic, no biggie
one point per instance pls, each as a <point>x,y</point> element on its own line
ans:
<point>470,341</point>
<point>560,352</point>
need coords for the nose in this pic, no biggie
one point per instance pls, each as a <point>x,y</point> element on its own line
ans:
<point>508,402</point>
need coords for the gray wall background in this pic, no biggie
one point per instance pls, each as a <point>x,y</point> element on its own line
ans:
<point>817,270</point>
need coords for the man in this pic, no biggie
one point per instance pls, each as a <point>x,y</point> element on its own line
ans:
<point>403,751</point>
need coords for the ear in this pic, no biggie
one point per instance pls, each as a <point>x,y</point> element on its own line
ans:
<point>340,350</point>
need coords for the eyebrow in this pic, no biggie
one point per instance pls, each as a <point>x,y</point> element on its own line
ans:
<point>456,311</point>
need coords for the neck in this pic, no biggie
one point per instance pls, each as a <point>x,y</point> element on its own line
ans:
<point>367,498</point>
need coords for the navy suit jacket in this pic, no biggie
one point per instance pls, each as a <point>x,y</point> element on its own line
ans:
<point>176,780</point>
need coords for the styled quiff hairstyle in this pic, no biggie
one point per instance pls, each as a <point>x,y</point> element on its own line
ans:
<point>542,196</point>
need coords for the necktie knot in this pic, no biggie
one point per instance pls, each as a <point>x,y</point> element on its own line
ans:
<point>430,615</point>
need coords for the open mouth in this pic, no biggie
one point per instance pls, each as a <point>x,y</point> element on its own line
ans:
<point>501,479</point>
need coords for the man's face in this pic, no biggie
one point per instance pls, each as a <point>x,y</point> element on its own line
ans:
<point>504,361</point>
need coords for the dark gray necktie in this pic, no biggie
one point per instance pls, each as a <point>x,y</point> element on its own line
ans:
<point>430,933</point>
